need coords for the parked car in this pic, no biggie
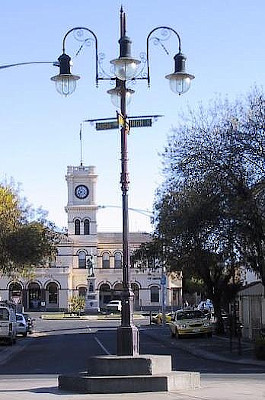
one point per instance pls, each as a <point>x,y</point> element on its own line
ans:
<point>22,326</point>
<point>8,326</point>
<point>190,322</point>
<point>158,318</point>
<point>30,323</point>
<point>114,306</point>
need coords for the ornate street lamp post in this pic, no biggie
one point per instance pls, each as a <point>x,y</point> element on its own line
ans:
<point>126,69</point>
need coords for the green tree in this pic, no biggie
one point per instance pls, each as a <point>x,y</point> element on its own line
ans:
<point>77,304</point>
<point>210,209</point>
<point>27,239</point>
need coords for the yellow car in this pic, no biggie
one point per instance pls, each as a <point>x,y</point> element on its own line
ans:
<point>190,322</point>
<point>158,318</point>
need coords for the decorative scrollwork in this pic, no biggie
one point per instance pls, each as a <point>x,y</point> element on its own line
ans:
<point>81,36</point>
<point>162,34</point>
<point>143,57</point>
<point>102,73</point>
<point>142,73</point>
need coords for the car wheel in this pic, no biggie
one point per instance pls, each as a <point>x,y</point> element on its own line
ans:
<point>209,334</point>
<point>24,334</point>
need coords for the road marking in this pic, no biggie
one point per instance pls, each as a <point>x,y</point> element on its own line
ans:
<point>102,346</point>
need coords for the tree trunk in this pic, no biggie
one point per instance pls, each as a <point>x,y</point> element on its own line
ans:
<point>219,326</point>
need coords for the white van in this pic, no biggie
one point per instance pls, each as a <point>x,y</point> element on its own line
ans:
<point>8,328</point>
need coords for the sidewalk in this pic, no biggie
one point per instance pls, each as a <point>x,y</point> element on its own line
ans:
<point>215,348</point>
<point>213,387</point>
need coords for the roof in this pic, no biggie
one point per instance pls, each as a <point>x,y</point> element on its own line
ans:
<point>253,288</point>
<point>116,237</point>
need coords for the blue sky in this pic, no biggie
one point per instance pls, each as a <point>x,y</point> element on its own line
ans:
<point>224,43</point>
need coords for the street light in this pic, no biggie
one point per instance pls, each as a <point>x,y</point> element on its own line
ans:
<point>126,69</point>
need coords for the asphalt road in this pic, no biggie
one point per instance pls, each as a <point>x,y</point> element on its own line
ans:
<point>62,346</point>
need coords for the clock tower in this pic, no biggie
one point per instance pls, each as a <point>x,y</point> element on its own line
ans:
<point>82,229</point>
<point>81,207</point>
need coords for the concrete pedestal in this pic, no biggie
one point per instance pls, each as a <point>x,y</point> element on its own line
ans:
<point>126,374</point>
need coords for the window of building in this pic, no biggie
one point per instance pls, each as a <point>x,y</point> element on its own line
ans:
<point>105,260</point>
<point>81,259</point>
<point>86,227</point>
<point>52,289</point>
<point>34,295</point>
<point>77,227</point>
<point>82,291</point>
<point>154,291</point>
<point>104,294</point>
<point>118,260</point>
<point>15,292</point>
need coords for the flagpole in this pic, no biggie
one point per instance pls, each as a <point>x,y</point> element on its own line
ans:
<point>81,144</point>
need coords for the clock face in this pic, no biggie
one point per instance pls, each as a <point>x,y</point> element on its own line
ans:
<point>81,191</point>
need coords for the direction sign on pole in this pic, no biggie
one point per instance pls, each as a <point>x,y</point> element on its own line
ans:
<point>133,123</point>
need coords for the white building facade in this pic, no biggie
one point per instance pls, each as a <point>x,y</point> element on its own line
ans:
<point>89,263</point>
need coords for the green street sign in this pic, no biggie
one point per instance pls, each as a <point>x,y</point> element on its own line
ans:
<point>133,123</point>
<point>102,126</point>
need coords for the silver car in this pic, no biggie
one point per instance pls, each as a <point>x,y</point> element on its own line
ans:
<point>22,326</point>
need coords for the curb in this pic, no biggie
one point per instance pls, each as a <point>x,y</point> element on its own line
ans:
<point>205,354</point>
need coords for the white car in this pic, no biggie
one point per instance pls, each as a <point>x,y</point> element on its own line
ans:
<point>22,326</point>
<point>8,328</point>
<point>114,306</point>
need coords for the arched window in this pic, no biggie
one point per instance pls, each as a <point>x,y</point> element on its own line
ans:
<point>86,227</point>
<point>77,227</point>
<point>15,292</point>
<point>34,294</point>
<point>104,294</point>
<point>105,260</point>
<point>117,260</point>
<point>52,289</point>
<point>82,259</point>
<point>117,291</point>
<point>82,291</point>
<point>154,292</point>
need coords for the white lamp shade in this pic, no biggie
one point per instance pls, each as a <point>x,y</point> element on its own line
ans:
<point>115,96</point>
<point>65,83</point>
<point>179,82</point>
<point>125,68</point>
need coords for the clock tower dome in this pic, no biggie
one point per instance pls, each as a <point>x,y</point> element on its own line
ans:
<point>81,207</point>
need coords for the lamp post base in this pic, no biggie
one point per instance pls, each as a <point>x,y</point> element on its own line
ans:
<point>127,341</point>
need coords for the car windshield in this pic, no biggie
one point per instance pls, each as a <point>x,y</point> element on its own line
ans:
<point>4,314</point>
<point>19,317</point>
<point>191,314</point>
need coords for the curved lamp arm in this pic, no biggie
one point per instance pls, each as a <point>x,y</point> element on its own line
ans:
<point>65,81</point>
<point>179,79</point>
<point>96,44</point>
<point>55,63</point>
